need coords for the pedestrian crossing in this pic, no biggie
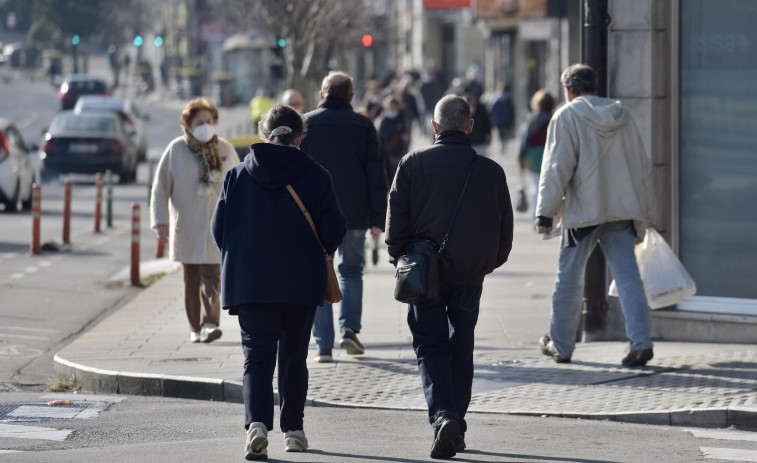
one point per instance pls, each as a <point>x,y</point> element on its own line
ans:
<point>741,451</point>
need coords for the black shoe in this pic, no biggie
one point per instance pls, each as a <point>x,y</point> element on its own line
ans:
<point>547,348</point>
<point>351,343</point>
<point>637,358</point>
<point>460,443</point>
<point>446,431</point>
<point>323,356</point>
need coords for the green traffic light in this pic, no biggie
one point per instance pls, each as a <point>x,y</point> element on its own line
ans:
<point>282,43</point>
<point>158,41</point>
<point>75,39</point>
<point>138,41</point>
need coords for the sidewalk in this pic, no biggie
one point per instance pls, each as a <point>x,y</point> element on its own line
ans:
<point>144,349</point>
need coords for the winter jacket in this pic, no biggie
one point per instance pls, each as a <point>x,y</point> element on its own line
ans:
<point>533,137</point>
<point>423,197</point>
<point>269,253</point>
<point>178,201</point>
<point>595,168</point>
<point>346,144</point>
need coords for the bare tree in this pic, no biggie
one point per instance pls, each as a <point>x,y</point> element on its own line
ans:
<point>318,33</point>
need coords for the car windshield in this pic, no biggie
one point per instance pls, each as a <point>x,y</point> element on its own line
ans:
<point>82,123</point>
<point>86,86</point>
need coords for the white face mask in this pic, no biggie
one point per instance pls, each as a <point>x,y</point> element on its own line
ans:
<point>203,133</point>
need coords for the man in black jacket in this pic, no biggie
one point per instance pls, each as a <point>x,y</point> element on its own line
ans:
<point>346,144</point>
<point>421,203</point>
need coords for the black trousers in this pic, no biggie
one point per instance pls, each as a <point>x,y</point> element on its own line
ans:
<point>268,330</point>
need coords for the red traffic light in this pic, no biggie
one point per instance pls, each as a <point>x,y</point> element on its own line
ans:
<point>367,40</point>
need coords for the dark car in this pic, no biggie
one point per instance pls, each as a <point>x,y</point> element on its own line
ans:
<point>18,168</point>
<point>90,142</point>
<point>76,85</point>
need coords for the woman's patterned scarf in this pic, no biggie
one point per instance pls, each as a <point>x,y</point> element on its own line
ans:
<point>210,159</point>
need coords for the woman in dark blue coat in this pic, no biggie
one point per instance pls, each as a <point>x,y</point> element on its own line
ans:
<point>273,271</point>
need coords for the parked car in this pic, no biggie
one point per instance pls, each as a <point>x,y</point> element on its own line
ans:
<point>90,142</point>
<point>17,168</point>
<point>76,85</point>
<point>125,108</point>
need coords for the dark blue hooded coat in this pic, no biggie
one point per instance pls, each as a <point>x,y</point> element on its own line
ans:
<point>269,253</point>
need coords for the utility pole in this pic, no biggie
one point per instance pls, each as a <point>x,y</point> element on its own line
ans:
<point>594,54</point>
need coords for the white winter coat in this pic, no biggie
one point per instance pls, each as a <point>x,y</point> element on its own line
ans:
<point>178,201</point>
<point>595,168</point>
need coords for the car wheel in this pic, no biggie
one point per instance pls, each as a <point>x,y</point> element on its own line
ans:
<point>11,204</point>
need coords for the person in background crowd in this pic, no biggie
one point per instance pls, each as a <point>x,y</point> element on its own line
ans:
<point>422,200</point>
<point>394,130</point>
<point>503,115</point>
<point>259,105</point>
<point>533,137</point>
<point>274,272</point>
<point>346,144</point>
<point>184,191</point>
<point>294,99</point>
<point>597,178</point>
<point>481,134</point>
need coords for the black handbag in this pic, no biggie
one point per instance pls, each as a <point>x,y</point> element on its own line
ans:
<point>522,204</point>
<point>417,272</point>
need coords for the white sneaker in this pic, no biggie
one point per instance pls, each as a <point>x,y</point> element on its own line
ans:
<point>194,336</point>
<point>210,332</point>
<point>256,443</point>
<point>295,441</point>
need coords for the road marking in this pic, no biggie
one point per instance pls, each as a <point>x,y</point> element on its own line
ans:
<point>31,269</point>
<point>24,328</point>
<point>33,432</point>
<point>16,276</point>
<point>18,350</point>
<point>715,453</point>
<point>723,434</point>
<point>10,451</point>
<point>21,336</point>
<point>45,263</point>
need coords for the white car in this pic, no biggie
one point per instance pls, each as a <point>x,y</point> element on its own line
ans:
<point>128,111</point>
<point>18,169</point>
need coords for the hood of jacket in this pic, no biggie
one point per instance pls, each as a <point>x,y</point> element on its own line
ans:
<point>275,166</point>
<point>604,115</point>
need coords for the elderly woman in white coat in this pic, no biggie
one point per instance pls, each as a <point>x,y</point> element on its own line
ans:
<point>184,193</point>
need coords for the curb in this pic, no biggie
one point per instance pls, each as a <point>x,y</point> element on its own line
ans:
<point>98,380</point>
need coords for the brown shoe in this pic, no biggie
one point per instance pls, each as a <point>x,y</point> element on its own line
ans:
<point>637,358</point>
<point>351,343</point>
<point>547,348</point>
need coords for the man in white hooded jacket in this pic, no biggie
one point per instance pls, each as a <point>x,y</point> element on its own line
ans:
<point>595,188</point>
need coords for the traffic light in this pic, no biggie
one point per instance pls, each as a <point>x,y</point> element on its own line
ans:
<point>75,39</point>
<point>158,41</point>
<point>138,41</point>
<point>281,43</point>
<point>367,40</point>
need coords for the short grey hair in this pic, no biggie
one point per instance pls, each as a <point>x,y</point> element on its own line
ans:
<point>452,113</point>
<point>579,78</point>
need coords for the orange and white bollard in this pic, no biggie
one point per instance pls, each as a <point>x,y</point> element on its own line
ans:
<point>98,201</point>
<point>67,213</point>
<point>135,245</point>
<point>36,213</point>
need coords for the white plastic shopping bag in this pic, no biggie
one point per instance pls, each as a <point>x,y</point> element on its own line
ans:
<point>666,281</point>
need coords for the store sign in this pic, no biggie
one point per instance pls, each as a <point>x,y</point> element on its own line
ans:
<point>496,9</point>
<point>446,4</point>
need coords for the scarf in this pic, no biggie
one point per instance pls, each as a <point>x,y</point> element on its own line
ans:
<point>210,159</point>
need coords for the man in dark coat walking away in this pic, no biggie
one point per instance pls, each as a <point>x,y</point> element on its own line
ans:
<point>421,203</point>
<point>346,144</point>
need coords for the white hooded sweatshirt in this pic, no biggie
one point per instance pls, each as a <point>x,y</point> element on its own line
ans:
<point>595,168</point>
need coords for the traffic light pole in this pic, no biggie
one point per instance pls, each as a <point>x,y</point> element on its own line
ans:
<point>594,53</point>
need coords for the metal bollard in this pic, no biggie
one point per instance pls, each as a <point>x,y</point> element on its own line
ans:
<point>67,213</point>
<point>135,245</point>
<point>36,213</point>
<point>109,198</point>
<point>98,201</point>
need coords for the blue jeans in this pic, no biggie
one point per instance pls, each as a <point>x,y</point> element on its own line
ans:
<point>443,337</point>
<point>266,329</point>
<point>617,242</point>
<point>350,263</point>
